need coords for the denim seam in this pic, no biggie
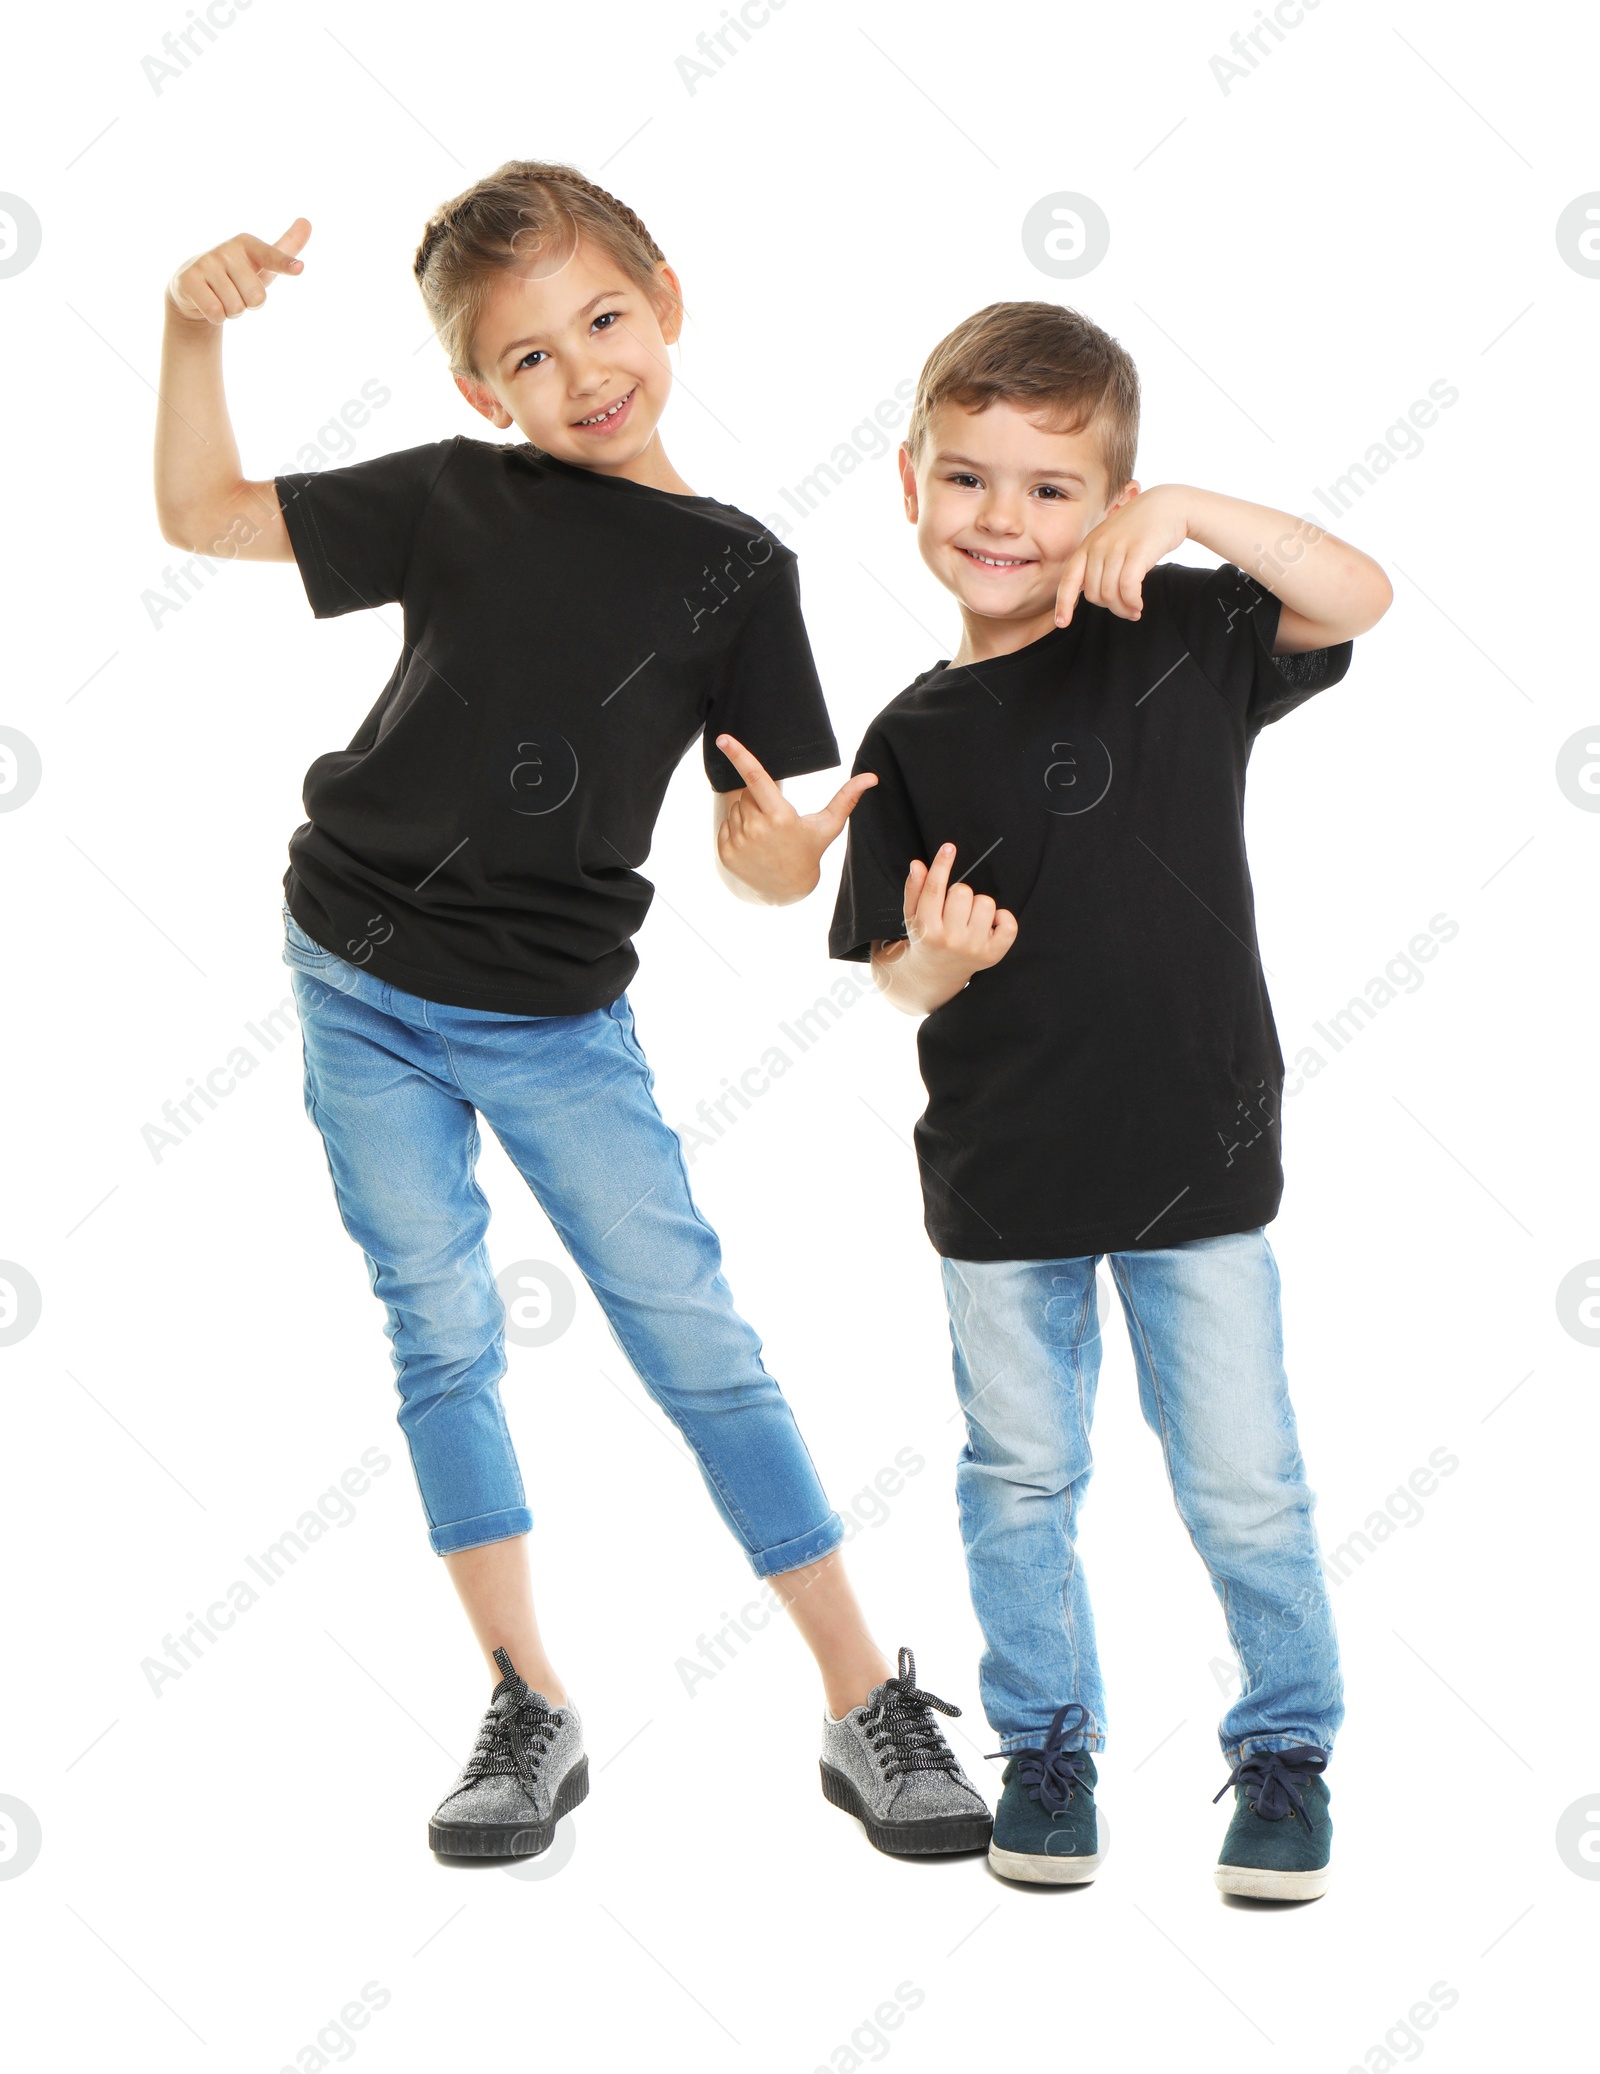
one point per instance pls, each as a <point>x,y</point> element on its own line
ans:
<point>450,1056</point>
<point>1219,1585</point>
<point>621,1015</point>
<point>474,1148</point>
<point>397,1318</point>
<point>1086,1310</point>
<point>450,1526</point>
<point>707,1468</point>
<point>1094,1739</point>
<point>1275,1739</point>
<point>833,1521</point>
<point>372,1272</point>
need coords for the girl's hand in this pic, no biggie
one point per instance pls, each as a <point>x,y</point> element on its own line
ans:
<point>763,842</point>
<point>1109,567</point>
<point>232,277</point>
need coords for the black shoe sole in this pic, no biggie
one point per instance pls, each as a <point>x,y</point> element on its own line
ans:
<point>937,1837</point>
<point>510,1839</point>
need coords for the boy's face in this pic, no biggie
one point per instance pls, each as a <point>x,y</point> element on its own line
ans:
<point>562,343</point>
<point>1000,505</point>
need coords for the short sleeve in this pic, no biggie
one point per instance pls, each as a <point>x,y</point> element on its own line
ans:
<point>352,528</point>
<point>1229,622</point>
<point>881,839</point>
<point>768,694</point>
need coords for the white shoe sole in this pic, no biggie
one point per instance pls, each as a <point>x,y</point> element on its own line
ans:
<point>1042,1870</point>
<point>1260,1884</point>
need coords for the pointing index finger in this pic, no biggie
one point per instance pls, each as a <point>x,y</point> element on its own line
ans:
<point>762,789</point>
<point>280,258</point>
<point>938,879</point>
<point>1070,585</point>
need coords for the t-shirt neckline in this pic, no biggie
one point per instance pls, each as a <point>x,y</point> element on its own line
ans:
<point>622,482</point>
<point>1050,642</point>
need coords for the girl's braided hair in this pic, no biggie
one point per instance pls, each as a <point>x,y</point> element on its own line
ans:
<point>519,212</point>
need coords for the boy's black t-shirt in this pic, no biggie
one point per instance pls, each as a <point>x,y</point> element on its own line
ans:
<point>1114,1082</point>
<point>566,637</point>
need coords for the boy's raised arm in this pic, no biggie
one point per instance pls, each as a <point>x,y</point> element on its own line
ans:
<point>203,500</point>
<point>1329,591</point>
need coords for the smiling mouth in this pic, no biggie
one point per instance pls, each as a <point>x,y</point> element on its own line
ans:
<point>608,415</point>
<point>996,561</point>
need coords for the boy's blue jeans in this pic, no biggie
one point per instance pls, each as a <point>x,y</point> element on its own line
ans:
<point>1207,1336</point>
<point>395,1085</point>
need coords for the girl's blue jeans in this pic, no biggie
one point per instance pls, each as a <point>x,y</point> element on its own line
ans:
<point>395,1084</point>
<point>1206,1327</point>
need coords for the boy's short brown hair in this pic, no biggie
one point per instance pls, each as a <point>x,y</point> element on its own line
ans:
<point>1039,356</point>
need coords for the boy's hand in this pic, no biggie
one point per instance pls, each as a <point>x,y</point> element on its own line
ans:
<point>1110,566</point>
<point>232,277</point>
<point>951,933</point>
<point>771,850</point>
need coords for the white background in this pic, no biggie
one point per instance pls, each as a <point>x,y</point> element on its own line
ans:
<point>1292,263</point>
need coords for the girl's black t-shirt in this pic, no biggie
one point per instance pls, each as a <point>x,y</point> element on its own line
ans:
<point>1114,1082</point>
<point>566,637</point>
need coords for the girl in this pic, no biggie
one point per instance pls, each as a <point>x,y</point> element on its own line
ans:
<point>460,904</point>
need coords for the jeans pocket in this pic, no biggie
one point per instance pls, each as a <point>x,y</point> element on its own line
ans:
<point>306,950</point>
<point>621,1013</point>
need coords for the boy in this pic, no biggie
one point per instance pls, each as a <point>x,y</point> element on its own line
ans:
<point>1102,1068</point>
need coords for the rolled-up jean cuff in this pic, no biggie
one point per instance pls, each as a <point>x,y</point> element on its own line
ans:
<point>475,1533</point>
<point>794,1555</point>
<point>1248,1746</point>
<point>1010,1745</point>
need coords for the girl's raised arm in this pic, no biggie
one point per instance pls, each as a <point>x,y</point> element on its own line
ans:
<point>203,501</point>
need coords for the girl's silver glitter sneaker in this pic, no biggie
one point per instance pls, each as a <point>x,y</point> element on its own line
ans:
<point>887,1763</point>
<point>526,1771</point>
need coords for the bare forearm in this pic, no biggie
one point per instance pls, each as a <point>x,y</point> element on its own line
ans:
<point>762,889</point>
<point>769,859</point>
<point>912,983</point>
<point>1324,580</point>
<point>203,501</point>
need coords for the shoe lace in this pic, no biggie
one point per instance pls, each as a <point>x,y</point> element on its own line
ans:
<point>1047,1772</point>
<point>900,1728</point>
<point>513,1741</point>
<point>1274,1781</point>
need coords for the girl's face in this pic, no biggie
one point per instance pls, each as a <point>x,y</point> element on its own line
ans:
<point>574,354</point>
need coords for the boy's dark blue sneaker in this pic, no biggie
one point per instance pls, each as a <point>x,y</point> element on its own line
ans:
<point>1045,1828</point>
<point>1281,1836</point>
